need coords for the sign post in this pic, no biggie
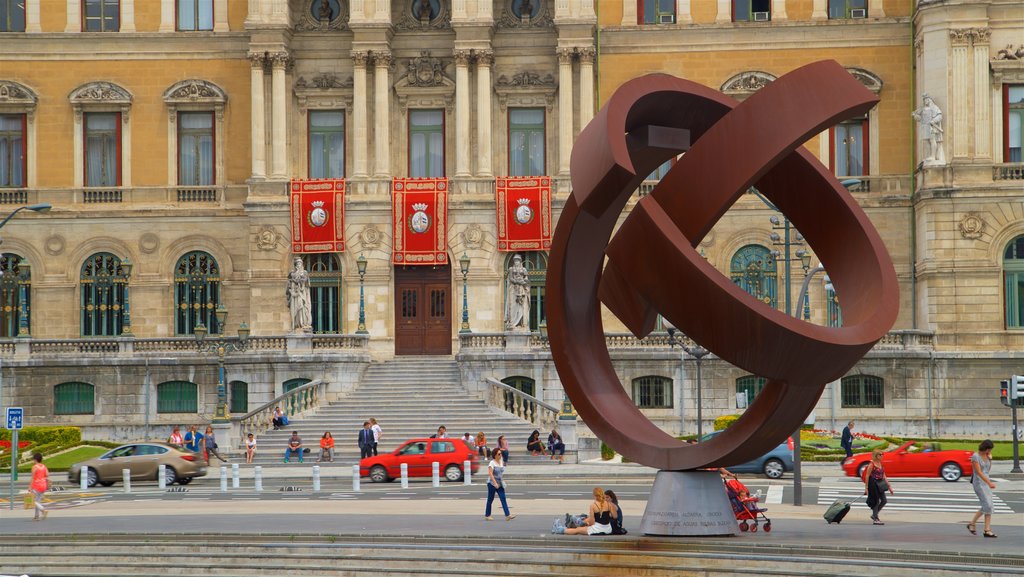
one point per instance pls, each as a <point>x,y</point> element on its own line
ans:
<point>14,420</point>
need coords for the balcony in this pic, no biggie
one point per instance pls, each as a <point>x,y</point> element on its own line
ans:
<point>129,347</point>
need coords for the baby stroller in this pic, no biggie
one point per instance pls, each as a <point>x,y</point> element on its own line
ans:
<point>744,505</point>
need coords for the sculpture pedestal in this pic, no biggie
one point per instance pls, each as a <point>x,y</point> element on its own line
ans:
<point>300,343</point>
<point>517,339</point>
<point>688,503</point>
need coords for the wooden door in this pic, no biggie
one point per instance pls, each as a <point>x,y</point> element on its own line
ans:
<point>423,318</point>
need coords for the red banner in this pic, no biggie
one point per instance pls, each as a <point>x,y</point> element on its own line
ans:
<point>420,226</point>
<point>524,213</point>
<point>318,215</point>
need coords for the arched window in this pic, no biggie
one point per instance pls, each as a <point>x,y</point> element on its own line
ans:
<point>239,397</point>
<point>750,386</point>
<point>324,291</point>
<point>536,263</point>
<point>524,384</point>
<point>1013,272</point>
<point>177,397</point>
<point>652,392</point>
<point>104,292</point>
<point>863,391</point>
<point>15,284</point>
<point>293,402</point>
<point>74,399</point>
<point>196,293</point>
<point>753,269</point>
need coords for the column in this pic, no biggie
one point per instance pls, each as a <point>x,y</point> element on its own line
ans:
<point>586,85</point>
<point>381,113</point>
<point>982,100</point>
<point>279,99</point>
<point>564,109</point>
<point>359,145</point>
<point>259,143</point>
<point>462,113</point>
<point>959,108</point>
<point>484,60</point>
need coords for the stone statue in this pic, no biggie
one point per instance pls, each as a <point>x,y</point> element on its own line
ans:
<point>325,10</point>
<point>929,122</point>
<point>517,289</point>
<point>297,294</point>
<point>422,10</point>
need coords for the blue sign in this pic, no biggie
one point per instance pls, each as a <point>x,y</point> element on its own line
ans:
<point>15,417</point>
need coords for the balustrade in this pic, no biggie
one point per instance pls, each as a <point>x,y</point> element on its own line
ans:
<point>522,405</point>
<point>296,402</point>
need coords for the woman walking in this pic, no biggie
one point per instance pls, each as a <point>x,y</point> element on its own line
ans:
<point>495,470</point>
<point>981,462</point>
<point>875,485</point>
<point>40,484</point>
<point>599,520</point>
<point>211,446</point>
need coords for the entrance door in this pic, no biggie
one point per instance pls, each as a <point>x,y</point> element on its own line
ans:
<point>423,310</point>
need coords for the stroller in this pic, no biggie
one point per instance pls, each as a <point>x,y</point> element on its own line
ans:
<point>744,505</point>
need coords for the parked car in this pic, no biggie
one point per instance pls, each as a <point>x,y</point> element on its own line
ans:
<point>419,455</point>
<point>143,460</point>
<point>913,459</point>
<point>772,464</point>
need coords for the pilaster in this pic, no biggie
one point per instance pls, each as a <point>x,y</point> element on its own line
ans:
<point>259,143</point>
<point>725,11</point>
<point>462,113</point>
<point>359,142</point>
<point>586,56</point>
<point>279,109</point>
<point>565,56</point>
<point>779,11</point>
<point>32,22</point>
<point>876,9</point>
<point>982,100</point>
<point>819,10</point>
<point>73,8</point>
<point>960,40</point>
<point>683,15</point>
<point>484,61</point>
<point>127,16</point>
<point>381,113</point>
<point>167,17</point>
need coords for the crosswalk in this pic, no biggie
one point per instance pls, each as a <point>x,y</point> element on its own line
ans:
<point>910,496</point>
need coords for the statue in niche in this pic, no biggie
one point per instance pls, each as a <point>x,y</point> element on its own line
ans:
<point>325,11</point>
<point>517,289</point>
<point>929,122</point>
<point>297,294</point>
<point>422,10</point>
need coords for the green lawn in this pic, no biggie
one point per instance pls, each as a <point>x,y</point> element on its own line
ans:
<point>63,461</point>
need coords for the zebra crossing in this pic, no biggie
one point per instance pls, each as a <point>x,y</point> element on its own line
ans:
<point>911,495</point>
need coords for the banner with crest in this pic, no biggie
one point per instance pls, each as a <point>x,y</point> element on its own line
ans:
<point>420,212</point>
<point>318,215</point>
<point>524,213</point>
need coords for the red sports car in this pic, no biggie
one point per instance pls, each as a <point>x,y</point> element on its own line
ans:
<point>419,455</point>
<point>913,459</point>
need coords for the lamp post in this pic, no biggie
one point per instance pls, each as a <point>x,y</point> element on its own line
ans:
<point>361,267</point>
<point>698,353</point>
<point>221,346</point>
<point>41,207</point>
<point>464,265</point>
<point>126,273</point>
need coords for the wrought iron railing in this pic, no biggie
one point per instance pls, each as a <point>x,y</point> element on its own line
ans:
<point>522,405</point>
<point>295,402</point>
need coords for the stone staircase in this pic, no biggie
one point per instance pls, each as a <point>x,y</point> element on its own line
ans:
<point>410,397</point>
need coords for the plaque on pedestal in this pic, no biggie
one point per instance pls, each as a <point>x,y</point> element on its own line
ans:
<point>688,503</point>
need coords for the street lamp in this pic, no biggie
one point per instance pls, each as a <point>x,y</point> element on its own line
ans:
<point>698,353</point>
<point>221,346</point>
<point>361,267</point>
<point>126,272</point>
<point>464,265</point>
<point>41,207</point>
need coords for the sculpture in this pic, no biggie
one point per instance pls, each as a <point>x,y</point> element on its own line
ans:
<point>325,10</point>
<point>297,294</point>
<point>929,121</point>
<point>517,289</point>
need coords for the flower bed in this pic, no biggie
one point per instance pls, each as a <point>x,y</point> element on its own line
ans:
<point>6,445</point>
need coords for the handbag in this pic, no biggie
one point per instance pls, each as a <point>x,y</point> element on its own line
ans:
<point>882,485</point>
<point>29,500</point>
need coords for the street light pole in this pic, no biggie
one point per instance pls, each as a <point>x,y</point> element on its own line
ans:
<point>698,353</point>
<point>221,346</point>
<point>464,264</point>
<point>361,267</point>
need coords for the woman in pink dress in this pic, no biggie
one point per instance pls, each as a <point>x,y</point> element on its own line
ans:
<point>40,483</point>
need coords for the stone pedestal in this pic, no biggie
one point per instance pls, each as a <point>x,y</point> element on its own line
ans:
<point>300,344</point>
<point>226,437</point>
<point>517,340</point>
<point>688,503</point>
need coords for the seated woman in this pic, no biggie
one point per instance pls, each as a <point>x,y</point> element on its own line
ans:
<point>326,448</point>
<point>556,445</point>
<point>533,444</point>
<point>278,418</point>
<point>481,444</point>
<point>599,520</point>
<point>617,528</point>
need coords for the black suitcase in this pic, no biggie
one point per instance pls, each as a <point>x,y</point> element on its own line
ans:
<point>836,511</point>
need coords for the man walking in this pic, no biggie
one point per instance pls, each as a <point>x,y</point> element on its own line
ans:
<point>366,441</point>
<point>846,441</point>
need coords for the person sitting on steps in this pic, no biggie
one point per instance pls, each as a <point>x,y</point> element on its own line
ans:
<point>533,444</point>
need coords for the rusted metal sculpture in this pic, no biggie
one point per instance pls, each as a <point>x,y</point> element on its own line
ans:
<point>653,267</point>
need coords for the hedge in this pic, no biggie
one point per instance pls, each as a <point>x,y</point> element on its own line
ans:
<point>607,453</point>
<point>725,421</point>
<point>45,440</point>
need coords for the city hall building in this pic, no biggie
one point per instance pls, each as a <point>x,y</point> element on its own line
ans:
<point>178,141</point>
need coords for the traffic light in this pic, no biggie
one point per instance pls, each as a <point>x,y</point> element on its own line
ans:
<point>1011,392</point>
<point>1004,392</point>
<point>1016,387</point>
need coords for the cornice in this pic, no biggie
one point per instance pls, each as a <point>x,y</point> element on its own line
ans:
<point>125,46</point>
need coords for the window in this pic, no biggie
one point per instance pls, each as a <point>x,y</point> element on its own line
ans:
<point>239,397</point>
<point>196,293</point>
<point>413,449</point>
<point>526,142</point>
<point>536,263</point>
<point>442,447</point>
<point>14,286</point>
<point>426,143</point>
<point>143,450</point>
<point>862,391</point>
<point>12,150</point>
<point>103,149</point>
<point>1013,271</point>
<point>656,11</point>
<point>839,9</point>
<point>848,153</point>
<point>326,144</point>
<point>753,269</point>
<point>177,397</point>
<point>652,392</point>
<point>195,15</point>
<point>195,149</point>
<point>1013,122</point>
<point>324,291</point>
<point>751,386</point>
<point>12,15</point>
<point>104,292</point>
<point>101,15</point>
<point>751,10</point>
<point>74,399</point>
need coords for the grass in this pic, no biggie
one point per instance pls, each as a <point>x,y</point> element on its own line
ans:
<point>63,461</point>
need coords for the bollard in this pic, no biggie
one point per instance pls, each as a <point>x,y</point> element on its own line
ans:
<point>223,478</point>
<point>405,475</point>
<point>467,473</point>
<point>316,478</point>
<point>126,480</point>
<point>257,473</point>
<point>435,469</point>
<point>161,477</point>
<point>84,478</point>
<point>355,478</point>
<point>234,476</point>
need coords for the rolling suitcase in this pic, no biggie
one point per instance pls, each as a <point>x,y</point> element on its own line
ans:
<point>836,511</point>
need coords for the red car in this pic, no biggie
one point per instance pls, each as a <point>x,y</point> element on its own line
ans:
<point>915,460</point>
<point>419,455</point>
